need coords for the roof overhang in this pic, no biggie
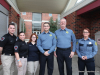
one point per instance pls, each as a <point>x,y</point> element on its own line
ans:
<point>42,6</point>
<point>62,7</point>
<point>76,7</point>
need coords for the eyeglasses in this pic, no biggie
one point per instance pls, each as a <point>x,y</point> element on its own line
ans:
<point>33,37</point>
<point>46,26</point>
<point>85,32</point>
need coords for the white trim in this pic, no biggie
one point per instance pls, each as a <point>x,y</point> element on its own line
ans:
<point>76,7</point>
<point>28,20</point>
<point>78,1</point>
<point>14,5</point>
<point>46,21</point>
<point>36,22</point>
<point>67,6</point>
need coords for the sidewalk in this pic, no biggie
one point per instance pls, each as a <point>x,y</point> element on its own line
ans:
<point>56,72</point>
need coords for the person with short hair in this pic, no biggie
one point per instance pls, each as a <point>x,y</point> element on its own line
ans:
<point>7,50</point>
<point>64,37</point>
<point>86,49</point>
<point>21,54</point>
<point>46,43</point>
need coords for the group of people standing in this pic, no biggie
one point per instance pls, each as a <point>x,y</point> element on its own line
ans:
<point>41,50</point>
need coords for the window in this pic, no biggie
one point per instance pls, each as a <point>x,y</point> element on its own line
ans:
<point>36,23</point>
<point>36,17</point>
<point>50,14</point>
<point>23,13</point>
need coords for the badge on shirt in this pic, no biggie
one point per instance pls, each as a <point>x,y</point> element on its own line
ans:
<point>90,42</point>
<point>30,45</point>
<point>96,43</point>
<point>50,35</point>
<point>76,43</point>
<point>3,38</point>
<point>56,37</point>
<point>67,32</point>
<point>15,47</point>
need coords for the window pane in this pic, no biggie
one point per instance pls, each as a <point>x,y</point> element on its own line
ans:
<point>36,24</point>
<point>50,14</point>
<point>36,16</point>
<point>24,13</point>
<point>36,27</point>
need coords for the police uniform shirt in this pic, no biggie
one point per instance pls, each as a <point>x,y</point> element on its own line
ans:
<point>33,52</point>
<point>46,41</point>
<point>65,37</point>
<point>21,47</point>
<point>7,42</point>
<point>86,48</point>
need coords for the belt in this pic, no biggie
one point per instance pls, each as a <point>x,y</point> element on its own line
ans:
<point>8,54</point>
<point>46,49</point>
<point>23,56</point>
<point>63,48</point>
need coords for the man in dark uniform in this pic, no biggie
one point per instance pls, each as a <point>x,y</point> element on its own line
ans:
<point>46,43</point>
<point>7,50</point>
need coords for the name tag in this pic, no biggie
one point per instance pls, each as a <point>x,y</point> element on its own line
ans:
<point>90,42</point>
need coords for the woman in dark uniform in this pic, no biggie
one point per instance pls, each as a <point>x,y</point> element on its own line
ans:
<point>86,49</point>
<point>21,53</point>
<point>33,55</point>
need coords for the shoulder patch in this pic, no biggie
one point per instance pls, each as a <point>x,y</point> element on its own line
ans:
<point>16,47</point>
<point>56,37</point>
<point>96,43</point>
<point>2,38</point>
<point>73,32</point>
<point>76,43</point>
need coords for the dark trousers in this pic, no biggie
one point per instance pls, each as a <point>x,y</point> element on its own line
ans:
<point>89,63</point>
<point>50,63</point>
<point>63,55</point>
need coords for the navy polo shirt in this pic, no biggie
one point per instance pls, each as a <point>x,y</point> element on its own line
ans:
<point>33,52</point>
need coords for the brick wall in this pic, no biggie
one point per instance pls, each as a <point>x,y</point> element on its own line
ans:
<point>89,20</point>
<point>95,22</point>
<point>28,16</point>
<point>13,17</point>
<point>45,16</point>
<point>28,26</point>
